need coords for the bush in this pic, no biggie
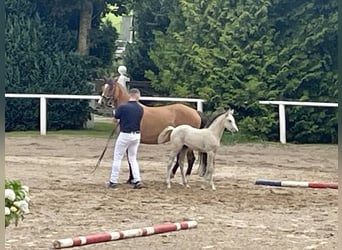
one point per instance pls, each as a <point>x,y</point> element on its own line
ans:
<point>16,202</point>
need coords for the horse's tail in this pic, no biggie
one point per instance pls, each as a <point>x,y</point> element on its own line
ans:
<point>164,136</point>
<point>204,119</point>
<point>203,164</point>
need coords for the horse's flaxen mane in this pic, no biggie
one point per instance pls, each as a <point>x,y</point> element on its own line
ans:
<point>117,84</point>
<point>115,79</point>
<point>213,118</point>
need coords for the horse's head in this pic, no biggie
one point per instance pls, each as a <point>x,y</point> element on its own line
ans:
<point>229,121</point>
<point>108,95</point>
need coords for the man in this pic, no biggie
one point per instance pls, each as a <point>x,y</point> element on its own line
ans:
<point>129,116</point>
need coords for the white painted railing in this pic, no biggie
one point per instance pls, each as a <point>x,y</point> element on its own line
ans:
<point>43,98</point>
<point>282,118</point>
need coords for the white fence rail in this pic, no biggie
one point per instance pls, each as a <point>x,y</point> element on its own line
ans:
<point>44,97</point>
<point>282,117</point>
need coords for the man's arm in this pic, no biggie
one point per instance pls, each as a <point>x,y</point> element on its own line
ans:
<point>116,115</point>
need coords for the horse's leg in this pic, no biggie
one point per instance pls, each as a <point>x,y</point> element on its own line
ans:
<point>181,164</point>
<point>130,178</point>
<point>175,167</point>
<point>191,160</point>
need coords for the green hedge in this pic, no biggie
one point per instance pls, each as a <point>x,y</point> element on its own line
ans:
<point>39,59</point>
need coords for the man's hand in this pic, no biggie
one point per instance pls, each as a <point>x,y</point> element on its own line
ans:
<point>115,121</point>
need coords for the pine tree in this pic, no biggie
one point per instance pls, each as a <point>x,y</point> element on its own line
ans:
<point>234,53</point>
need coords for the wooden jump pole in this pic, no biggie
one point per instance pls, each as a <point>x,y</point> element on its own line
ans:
<point>304,184</point>
<point>118,235</point>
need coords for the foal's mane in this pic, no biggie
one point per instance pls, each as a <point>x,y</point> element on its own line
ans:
<point>213,118</point>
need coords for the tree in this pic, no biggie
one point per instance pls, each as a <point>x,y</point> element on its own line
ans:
<point>84,19</point>
<point>215,55</point>
<point>35,63</point>
<point>86,14</point>
<point>226,52</point>
<point>149,16</point>
<point>306,65</point>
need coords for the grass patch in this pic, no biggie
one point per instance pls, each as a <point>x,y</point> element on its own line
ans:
<point>101,129</point>
<point>234,138</point>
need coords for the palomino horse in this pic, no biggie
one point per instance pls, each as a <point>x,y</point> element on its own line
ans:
<point>203,140</point>
<point>155,119</point>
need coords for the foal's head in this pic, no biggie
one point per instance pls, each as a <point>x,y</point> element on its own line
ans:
<point>229,121</point>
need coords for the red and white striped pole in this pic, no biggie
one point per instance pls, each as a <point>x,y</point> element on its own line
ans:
<point>296,184</point>
<point>118,235</point>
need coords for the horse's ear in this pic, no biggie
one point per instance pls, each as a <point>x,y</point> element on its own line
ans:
<point>230,111</point>
<point>115,79</point>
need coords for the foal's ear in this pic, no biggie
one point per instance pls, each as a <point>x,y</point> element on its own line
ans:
<point>231,111</point>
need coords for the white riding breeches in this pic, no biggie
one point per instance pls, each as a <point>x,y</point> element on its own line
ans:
<point>126,142</point>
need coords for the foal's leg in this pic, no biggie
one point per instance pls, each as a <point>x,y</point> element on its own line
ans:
<point>205,168</point>
<point>181,164</point>
<point>212,170</point>
<point>169,169</point>
<point>175,167</point>
<point>191,160</point>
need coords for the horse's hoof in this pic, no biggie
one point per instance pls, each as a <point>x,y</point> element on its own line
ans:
<point>213,188</point>
<point>187,185</point>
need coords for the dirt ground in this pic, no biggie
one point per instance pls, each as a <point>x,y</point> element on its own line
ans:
<point>67,200</point>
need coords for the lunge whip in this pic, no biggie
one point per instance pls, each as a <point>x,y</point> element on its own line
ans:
<point>105,149</point>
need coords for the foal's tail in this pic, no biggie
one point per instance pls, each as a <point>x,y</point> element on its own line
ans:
<point>164,136</point>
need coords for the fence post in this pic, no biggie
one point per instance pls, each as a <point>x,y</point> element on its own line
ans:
<point>43,115</point>
<point>282,123</point>
<point>199,106</point>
